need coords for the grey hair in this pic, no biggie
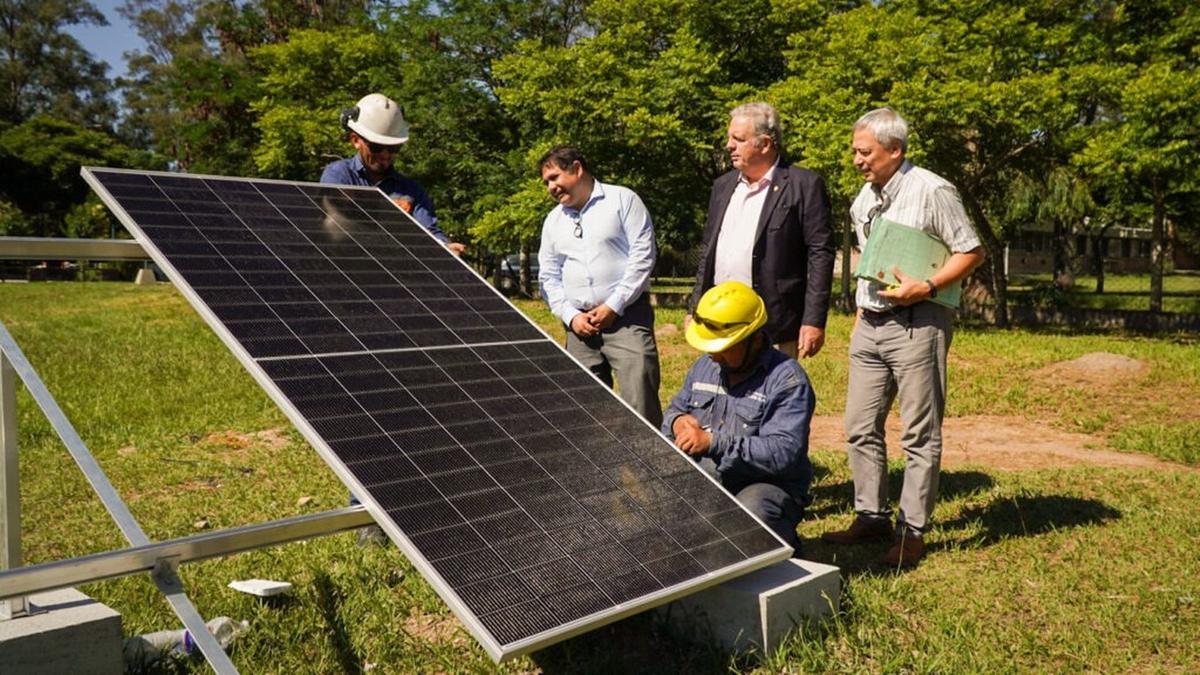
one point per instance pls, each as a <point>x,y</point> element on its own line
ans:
<point>887,125</point>
<point>765,120</point>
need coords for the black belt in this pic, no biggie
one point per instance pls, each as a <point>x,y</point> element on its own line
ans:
<point>893,313</point>
<point>882,314</point>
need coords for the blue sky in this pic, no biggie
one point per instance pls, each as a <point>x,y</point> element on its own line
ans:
<point>108,43</point>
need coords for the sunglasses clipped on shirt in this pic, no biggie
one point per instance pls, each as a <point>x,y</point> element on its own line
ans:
<point>874,213</point>
<point>716,325</point>
<point>578,226</point>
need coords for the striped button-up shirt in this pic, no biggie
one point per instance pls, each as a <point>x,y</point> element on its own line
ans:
<point>917,198</point>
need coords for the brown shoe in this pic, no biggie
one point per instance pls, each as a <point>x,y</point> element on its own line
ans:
<point>862,529</point>
<point>906,552</point>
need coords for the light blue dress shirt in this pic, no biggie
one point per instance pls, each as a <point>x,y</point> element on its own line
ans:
<point>608,264</point>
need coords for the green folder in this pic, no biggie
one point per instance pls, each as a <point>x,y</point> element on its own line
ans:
<point>916,253</point>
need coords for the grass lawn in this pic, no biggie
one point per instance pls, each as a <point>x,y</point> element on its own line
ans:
<point>1054,569</point>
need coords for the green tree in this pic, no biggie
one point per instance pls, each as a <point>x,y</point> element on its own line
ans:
<point>436,59</point>
<point>644,91</point>
<point>1056,200</point>
<point>991,90</point>
<point>1147,135</point>
<point>192,88</point>
<point>304,84</point>
<point>40,161</point>
<point>43,69</point>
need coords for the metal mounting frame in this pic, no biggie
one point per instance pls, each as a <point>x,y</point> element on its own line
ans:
<point>160,559</point>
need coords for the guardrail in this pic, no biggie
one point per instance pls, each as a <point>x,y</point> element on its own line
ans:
<point>61,248</point>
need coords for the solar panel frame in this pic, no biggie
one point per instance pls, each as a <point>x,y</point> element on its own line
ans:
<point>577,530</point>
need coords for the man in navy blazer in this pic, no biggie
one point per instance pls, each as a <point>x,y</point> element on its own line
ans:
<point>768,227</point>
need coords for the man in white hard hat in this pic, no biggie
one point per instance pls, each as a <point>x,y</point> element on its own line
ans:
<point>377,129</point>
<point>745,409</point>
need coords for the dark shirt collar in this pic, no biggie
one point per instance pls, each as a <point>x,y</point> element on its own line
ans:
<point>357,166</point>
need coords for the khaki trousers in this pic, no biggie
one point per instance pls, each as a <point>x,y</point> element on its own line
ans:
<point>903,353</point>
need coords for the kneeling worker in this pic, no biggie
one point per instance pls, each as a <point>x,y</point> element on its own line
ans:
<point>745,409</point>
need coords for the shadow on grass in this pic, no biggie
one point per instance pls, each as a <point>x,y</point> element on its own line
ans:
<point>1029,515</point>
<point>1003,517</point>
<point>645,643</point>
<point>329,601</point>
<point>835,498</point>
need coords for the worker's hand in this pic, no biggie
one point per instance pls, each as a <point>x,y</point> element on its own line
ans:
<point>602,317</point>
<point>405,203</point>
<point>690,436</point>
<point>581,325</point>
<point>909,291</point>
<point>456,248</point>
<point>811,341</point>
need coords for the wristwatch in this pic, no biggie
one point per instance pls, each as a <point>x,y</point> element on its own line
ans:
<point>932,289</point>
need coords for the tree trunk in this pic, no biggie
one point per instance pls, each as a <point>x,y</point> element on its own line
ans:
<point>497,269</point>
<point>992,272</point>
<point>526,280</point>
<point>1098,258</point>
<point>1157,247</point>
<point>1062,249</point>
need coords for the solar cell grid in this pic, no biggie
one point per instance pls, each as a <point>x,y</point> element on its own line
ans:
<point>531,496</point>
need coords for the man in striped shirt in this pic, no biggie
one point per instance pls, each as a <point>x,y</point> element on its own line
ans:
<point>900,340</point>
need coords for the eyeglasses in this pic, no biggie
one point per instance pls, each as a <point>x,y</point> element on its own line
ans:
<point>578,226</point>
<point>874,212</point>
<point>379,147</point>
<point>717,325</point>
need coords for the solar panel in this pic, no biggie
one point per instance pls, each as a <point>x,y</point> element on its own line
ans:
<point>535,502</point>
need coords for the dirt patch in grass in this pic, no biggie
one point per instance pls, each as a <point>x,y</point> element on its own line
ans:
<point>434,628</point>
<point>1096,368</point>
<point>269,439</point>
<point>1008,443</point>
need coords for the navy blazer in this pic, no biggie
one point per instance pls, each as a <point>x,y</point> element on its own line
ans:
<point>794,249</point>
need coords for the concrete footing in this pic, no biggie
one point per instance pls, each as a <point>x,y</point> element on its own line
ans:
<point>758,610</point>
<point>145,277</point>
<point>65,632</point>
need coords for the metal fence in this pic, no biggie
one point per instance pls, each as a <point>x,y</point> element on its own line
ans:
<point>1123,292</point>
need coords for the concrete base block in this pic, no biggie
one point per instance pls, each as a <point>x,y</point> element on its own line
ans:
<point>65,632</point>
<point>761,608</point>
<point>145,277</point>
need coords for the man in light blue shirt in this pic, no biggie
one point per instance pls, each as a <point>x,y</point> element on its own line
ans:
<point>595,261</point>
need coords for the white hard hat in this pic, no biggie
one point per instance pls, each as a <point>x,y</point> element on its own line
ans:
<point>378,119</point>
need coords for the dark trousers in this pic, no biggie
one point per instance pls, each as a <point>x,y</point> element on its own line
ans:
<point>627,349</point>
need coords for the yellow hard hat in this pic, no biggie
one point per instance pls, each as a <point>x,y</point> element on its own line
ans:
<point>726,314</point>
